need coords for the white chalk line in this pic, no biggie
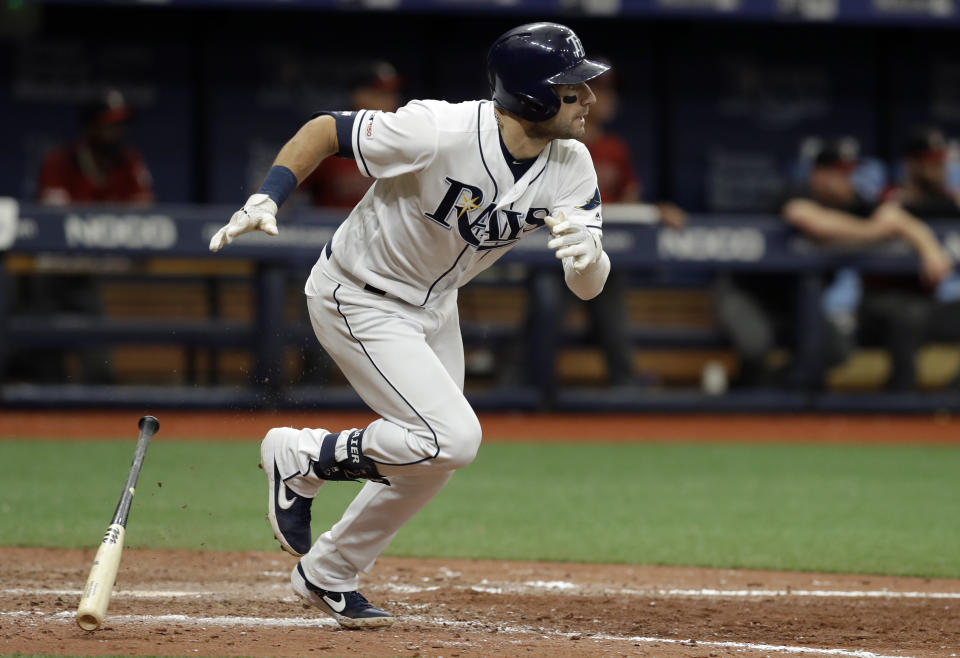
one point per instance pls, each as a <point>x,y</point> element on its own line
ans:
<point>533,586</point>
<point>183,619</point>
<point>443,623</point>
<point>130,594</point>
<point>814,593</point>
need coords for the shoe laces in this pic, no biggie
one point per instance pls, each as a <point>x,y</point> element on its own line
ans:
<point>356,599</point>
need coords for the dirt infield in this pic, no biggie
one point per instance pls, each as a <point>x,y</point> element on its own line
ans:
<point>238,604</point>
<point>234,604</point>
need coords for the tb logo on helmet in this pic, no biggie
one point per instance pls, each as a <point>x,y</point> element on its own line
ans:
<point>576,46</point>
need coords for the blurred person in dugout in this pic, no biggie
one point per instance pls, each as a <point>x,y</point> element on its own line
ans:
<point>337,183</point>
<point>758,313</point>
<point>97,167</point>
<point>930,170</point>
<point>607,313</point>
<point>904,313</point>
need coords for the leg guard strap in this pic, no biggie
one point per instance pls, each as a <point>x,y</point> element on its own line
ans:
<point>355,467</point>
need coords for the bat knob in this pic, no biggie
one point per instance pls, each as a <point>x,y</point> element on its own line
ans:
<point>150,421</point>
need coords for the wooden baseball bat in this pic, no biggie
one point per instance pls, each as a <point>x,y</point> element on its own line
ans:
<point>99,587</point>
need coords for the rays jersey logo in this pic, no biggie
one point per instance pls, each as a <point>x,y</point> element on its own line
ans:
<point>483,227</point>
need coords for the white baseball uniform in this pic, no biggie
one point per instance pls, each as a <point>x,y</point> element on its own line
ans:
<point>382,299</point>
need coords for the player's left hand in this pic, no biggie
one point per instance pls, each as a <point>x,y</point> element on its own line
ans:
<point>573,240</point>
<point>259,212</point>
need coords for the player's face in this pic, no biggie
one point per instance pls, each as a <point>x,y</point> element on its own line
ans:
<point>571,120</point>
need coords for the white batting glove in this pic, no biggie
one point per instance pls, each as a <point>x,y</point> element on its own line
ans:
<point>573,240</point>
<point>258,213</point>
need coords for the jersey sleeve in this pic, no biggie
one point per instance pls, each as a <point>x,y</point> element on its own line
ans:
<point>388,144</point>
<point>579,197</point>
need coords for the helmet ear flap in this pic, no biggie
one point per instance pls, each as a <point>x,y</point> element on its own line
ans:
<point>534,105</point>
<point>537,104</point>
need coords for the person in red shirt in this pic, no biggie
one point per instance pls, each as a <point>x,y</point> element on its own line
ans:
<point>609,325</point>
<point>618,183</point>
<point>99,167</point>
<point>616,176</point>
<point>337,182</point>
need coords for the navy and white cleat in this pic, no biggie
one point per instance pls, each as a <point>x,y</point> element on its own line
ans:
<point>350,609</point>
<point>288,512</point>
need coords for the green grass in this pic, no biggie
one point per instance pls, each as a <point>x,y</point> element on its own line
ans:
<point>861,509</point>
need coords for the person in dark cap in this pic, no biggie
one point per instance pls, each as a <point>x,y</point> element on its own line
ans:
<point>100,166</point>
<point>832,211</point>
<point>924,191</point>
<point>757,314</point>
<point>893,311</point>
<point>903,312</point>
<point>829,182</point>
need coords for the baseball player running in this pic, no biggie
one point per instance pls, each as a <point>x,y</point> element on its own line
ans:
<point>457,186</point>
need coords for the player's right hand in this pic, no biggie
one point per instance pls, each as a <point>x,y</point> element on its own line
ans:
<point>258,213</point>
<point>574,241</point>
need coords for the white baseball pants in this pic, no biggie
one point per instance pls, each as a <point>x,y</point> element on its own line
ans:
<point>407,364</point>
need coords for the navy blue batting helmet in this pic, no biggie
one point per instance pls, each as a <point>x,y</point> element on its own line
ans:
<point>525,63</point>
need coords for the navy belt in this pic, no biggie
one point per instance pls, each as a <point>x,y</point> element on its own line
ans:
<point>328,251</point>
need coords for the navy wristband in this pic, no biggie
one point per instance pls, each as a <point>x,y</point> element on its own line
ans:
<point>279,184</point>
